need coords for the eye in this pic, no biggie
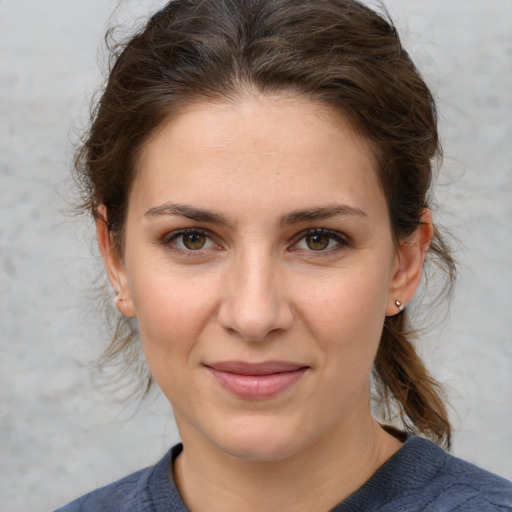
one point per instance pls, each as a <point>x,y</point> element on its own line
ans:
<point>320,240</point>
<point>317,242</point>
<point>190,240</point>
<point>194,241</point>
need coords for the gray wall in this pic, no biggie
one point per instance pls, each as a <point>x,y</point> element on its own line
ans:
<point>61,434</point>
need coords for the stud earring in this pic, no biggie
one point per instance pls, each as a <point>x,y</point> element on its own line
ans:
<point>399,305</point>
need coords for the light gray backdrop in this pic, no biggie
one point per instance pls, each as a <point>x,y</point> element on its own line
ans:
<point>60,435</point>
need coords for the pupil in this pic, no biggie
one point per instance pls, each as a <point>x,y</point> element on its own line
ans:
<point>318,242</point>
<point>194,240</point>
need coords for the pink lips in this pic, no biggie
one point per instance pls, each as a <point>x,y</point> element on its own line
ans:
<point>256,380</point>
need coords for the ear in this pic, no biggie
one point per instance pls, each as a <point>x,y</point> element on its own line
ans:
<point>113,265</point>
<point>409,259</point>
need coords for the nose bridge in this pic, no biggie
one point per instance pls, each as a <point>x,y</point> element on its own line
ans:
<point>255,302</point>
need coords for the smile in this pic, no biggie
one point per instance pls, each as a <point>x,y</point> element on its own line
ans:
<point>256,380</point>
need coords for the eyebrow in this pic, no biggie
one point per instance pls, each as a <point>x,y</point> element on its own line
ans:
<point>294,217</point>
<point>190,212</point>
<point>320,213</point>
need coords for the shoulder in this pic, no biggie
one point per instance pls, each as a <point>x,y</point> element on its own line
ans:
<point>148,490</point>
<point>445,482</point>
<point>118,496</point>
<point>479,489</point>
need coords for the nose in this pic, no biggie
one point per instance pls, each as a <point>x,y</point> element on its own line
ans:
<point>255,304</point>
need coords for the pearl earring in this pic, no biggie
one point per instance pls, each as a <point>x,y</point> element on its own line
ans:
<point>399,305</point>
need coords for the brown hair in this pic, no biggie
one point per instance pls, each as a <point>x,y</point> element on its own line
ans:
<point>338,52</point>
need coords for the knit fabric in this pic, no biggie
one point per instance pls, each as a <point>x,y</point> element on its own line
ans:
<point>419,477</point>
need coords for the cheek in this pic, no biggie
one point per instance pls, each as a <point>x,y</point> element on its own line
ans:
<point>172,308</point>
<point>345,316</point>
<point>348,301</point>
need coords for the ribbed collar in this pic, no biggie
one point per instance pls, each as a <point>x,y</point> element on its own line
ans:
<point>398,475</point>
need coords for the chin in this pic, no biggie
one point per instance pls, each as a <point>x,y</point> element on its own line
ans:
<point>264,450</point>
<point>260,440</point>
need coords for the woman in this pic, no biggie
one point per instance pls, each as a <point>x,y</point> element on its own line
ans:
<point>259,174</point>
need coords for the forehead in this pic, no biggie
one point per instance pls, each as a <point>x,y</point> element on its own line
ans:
<point>238,152</point>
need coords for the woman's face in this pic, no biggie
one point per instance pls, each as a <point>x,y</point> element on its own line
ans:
<point>260,265</point>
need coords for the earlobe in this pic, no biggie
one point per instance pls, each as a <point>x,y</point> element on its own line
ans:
<point>410,257</point>
<point>124,305</point>
<point>113,265</point>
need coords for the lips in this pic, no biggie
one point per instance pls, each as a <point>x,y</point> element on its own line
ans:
<point>256,380</point>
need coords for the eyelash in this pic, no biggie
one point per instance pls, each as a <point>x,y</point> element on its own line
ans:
<point>176,235</point>
<point>341,240</point>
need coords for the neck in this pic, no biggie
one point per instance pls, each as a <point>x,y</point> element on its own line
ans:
<point>317,478</point>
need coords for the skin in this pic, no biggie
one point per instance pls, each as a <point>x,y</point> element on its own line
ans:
<point>260,288</point>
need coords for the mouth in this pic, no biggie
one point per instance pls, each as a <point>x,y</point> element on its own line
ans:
<point>255,381</point>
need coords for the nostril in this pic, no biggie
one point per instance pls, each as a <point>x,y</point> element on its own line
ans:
<point>255,324</point>
<point>254,304</point>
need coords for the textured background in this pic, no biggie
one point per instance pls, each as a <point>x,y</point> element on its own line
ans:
<point>61,434</point>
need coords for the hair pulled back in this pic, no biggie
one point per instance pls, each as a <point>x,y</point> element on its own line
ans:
<point>337,52</point>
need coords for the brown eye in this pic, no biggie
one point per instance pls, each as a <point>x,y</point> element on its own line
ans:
<point>317,242</point>
<point>189,241</point>
<point>194,241</point>
<point>322,241</point>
